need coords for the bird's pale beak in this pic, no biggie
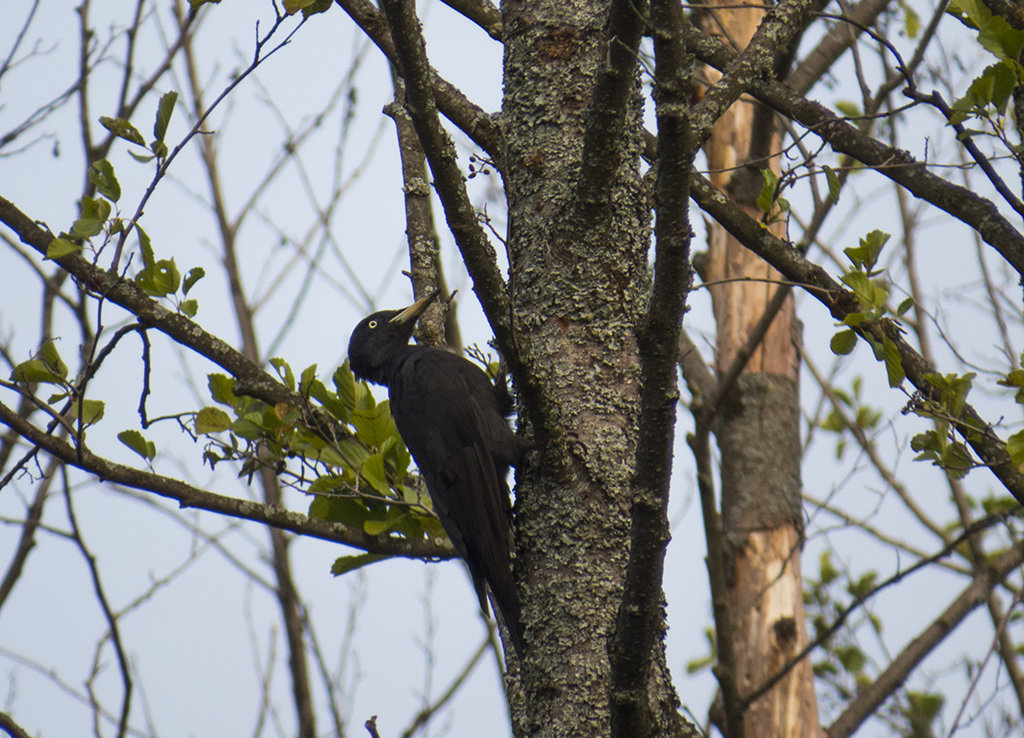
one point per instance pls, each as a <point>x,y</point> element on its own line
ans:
<point>416,309</point>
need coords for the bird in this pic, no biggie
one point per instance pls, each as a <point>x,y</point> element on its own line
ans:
<point>454,421</point>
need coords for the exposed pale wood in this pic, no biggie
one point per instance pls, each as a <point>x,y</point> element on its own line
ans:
<point>763,539</point>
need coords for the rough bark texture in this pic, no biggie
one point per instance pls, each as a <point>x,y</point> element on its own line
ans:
<point>758,430</point>
<point>577,288</point>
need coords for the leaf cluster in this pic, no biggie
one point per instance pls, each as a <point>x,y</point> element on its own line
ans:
<point>358,472</point>
<point>864,280</point>
<point>844,664</point>
<point>990,92</point>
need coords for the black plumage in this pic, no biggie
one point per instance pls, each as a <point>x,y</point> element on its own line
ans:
<point>454,421</point>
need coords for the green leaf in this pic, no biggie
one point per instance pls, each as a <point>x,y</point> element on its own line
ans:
<point>193,276</point>
<point>697,665</point>
<point>327,483</point>
<point>167,278</point>
<point>317,6</point>
<point>86,228</point>
<point>863,586</point>
<point>330,401</point>
<point>138,443</point>
<point>341,510</point>
<point>397,455</point>
<point>146,247</point>
<point>1015,447</point>
<point>868,294</point>
<point>992,87</point>
<point>1000,505</point>
<point>833,422</point>
<point>1000,38</point>
<point>834,185</point>
<point>926,705</point>
<point>101,174</point>
<point>163,114</point>
<point>373,472</point>
<point>189,308</point>
<point>972,13</point>
<point>306,379</point>
<point>92,411</point>
<point>308,7</point>
<point>904,306</point>
<point>345,564</point>
<point>843,342</point>
<point>893,362</point>
<point>1014,379</point>
<point>123,129</point>
<point>350,452</point>
<point>953,389</point>
<point>769,191</point>
<point>852,658</point>
<point>163,279</point>
<point>956,460</point>
<point>827,570</point>
<point>848,108</point>
<point>34,370</point>
<point>345,387</point>
<point>375,425</point>
<point>94,212</point>
<point>50,356</point>
<point>222,390</point>
<point>249,427</point>
<point>212,420</point>
<point>141,158</point>
<point>376,527</point>
<point>865,256</point>
<point>61,247</point>
<point>867,418</point>
<point>911,20</point>
<point>929,443</point>
<point>284,371</point>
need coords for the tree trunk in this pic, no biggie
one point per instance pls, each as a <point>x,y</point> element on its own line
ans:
<point>758,429</point>
<point>579,281</point>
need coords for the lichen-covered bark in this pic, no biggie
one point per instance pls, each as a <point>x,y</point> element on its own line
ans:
<point>579,287</point>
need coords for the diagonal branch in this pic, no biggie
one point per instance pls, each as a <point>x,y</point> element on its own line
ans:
<point>873,695</point>
<point>476,250</point>
<point>252,380</point>
<point>482,12</point>
<point>840,302</point>
<point>188,496</point>
<point>756,62</point>
<point>469,117</point>
<point>834,44</point>
<point>898,165</point>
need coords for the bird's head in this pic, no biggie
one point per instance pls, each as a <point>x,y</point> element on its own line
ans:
<point>378,338</point>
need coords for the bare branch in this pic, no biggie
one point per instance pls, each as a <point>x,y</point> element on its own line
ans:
<point>476,250</point>
<point>873,695</point>
<point>482,12</point>
<point>976,211</point>
<point>975,430</point>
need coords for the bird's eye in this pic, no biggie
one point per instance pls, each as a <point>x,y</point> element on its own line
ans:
<point>372,324</point>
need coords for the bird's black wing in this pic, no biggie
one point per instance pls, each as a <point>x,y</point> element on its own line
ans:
<point>449,416</point>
